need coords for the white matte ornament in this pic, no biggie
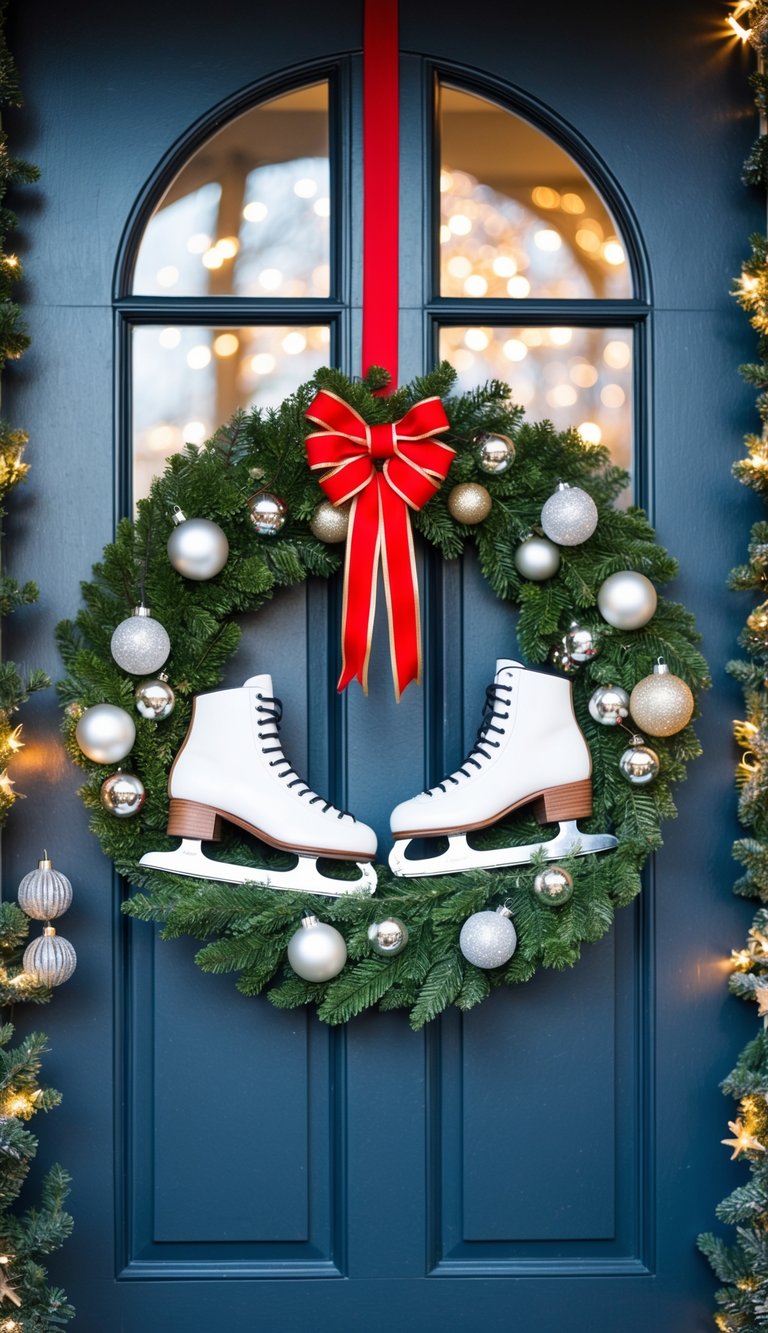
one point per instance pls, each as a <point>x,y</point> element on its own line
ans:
<point>318,951</point>
<point>197,547</point>
<point>569,516</point>
<point>140,644</point>
<point>495,453</point>
<point>44,893</point>
<point>537,559</point>
<point>627,600</point>
<point>488,939</point>
<point>51,960</point>
<point>388,937</point>
<point>609,705</point>
<point>155,698</point>
<point>662,704</point>
<point>105,733</point>
<point>122,794</point>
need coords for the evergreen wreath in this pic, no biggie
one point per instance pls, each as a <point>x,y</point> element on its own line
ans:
<point>245,928</point>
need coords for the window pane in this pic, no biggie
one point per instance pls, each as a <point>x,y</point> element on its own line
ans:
<point>572,377</point>
<point>518,216</point>
<point>249,214</point>
<point>188,380</point>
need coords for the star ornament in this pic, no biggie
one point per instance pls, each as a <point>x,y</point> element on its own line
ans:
<point>742,1141</point>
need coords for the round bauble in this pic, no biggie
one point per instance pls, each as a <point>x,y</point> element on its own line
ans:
<point>330,523</point>
<point>140,644</point>
<point>553,886</point>
<point>317,951</point>
<point>155,698</point>
<point>537,559</point>
<point>197,547</point>
<point>469,503</point>
<point>494,453</point>
<point>267,512</point>
<point>44,893</point>
<point>488,939</point>
<point>581,643</point>
<point>627,600</point>
<point>639,764</point>
<point>661,703</point>
<point>388,937</point>
<point>122,794</point>
<point>105,733</point>
<point>609,705</point>
<point>569,516</point>
<point>51,960</point>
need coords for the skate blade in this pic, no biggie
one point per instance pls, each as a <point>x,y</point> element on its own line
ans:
<point>190,859</point>
<point>458,855</point>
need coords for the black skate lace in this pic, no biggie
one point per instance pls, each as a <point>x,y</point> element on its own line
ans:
<point>483,739</point>
<point>274,715</point>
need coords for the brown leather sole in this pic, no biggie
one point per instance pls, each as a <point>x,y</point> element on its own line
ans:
<point>571,801</point>
<point>189,819</point>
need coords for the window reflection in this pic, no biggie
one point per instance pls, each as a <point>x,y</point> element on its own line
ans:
<point>188,380</point>
<point>249,213</point>
<point>518,217</point>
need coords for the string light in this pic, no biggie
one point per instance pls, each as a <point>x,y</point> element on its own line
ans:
<point>742,8</point>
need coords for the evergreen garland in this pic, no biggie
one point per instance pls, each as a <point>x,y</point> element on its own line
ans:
<point>245,929</point>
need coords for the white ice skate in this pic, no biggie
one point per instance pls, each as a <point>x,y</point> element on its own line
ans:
<point>529,749</point>
<point>231,766</point>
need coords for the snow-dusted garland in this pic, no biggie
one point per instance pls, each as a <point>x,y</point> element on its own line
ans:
<point>272,544</point>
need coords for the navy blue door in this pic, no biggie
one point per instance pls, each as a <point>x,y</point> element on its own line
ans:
<point>547,1160</point>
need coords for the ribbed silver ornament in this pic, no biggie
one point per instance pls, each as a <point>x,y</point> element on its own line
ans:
<point>50,959</point>
<point>44,893</point>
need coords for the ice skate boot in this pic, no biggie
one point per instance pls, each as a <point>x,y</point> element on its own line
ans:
<point>529,749</point>
<point>231,766</point>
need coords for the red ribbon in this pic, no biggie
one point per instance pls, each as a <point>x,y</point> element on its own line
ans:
<point>413,469</point>
<point>381,204</point>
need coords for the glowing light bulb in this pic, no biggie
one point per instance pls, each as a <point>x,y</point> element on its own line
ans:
<point>613,252</point>
<point>14,742</point>
<point>194,432</point>
<point>198,243</point>
<point>198,357</point>
<point>617,354</point>
<point>263,363</point>
<point>588,241</point>
<point>560,337</point>
<point>169,338</point>
<point>476,339</point>
<point>293,343</point>
<point>476,285</point>
<point>305,188</point>
<point>226,344</point>
<point>548,240</point>
<point>322,207</point>
<point>270,279</point>
<point>504,266</point>
<point>572,203</point>
<point>167,276</point>
<point>255,211</point>
<point>514,349</point>
<point>213,258</point>
<point>228,247</point>
<point>460,224</point>
<point>518,286</point>
<point>590,432</point>
<point>544,197</point>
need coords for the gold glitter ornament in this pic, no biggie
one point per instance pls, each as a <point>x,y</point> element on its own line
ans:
<point>469,502</point>
<point>661,703</point>
<point>329,523</point>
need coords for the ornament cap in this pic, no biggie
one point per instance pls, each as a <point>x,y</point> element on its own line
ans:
<point>45,862</point>
<point>636,740</point>
<point>660,667</point>
<point>141,610</point>
<point>177,516</point>
<point>563,486</point>
<point>308,920</point>
<point>49,930</point>
<point>504,909</point>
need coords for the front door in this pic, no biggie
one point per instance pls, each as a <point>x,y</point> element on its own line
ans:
<point>570,220</point>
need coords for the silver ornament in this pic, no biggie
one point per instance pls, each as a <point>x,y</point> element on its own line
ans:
<point>561,660</point>
<point>569,516</point>
<point>122,794</point>
<point>469,502</point>
<point>627,600</point>
<point>553,886</point>
<point>44,893</point>
<point>105,733</point>
<point>494,453</point>
<point>537,559</point>
<point>197,547</point>
<point>317,951</point>
<point>488,939</point>
<point>388,937</point>
<point>267,512</point>
<point>140,644</point>
<point>330,523</point>
<point>155,698</point>
<point>581,643</point>
<point>661,703</point>
<point>639,764</point>
<point>50,959</point>
<point>609,705</point>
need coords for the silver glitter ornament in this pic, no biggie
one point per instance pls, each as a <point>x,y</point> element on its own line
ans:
<point>537,559</point>
<point>267,512</point>
<point>609,705</point>
<point>627,600</point>
<point>317,951</point>
<point>388,937</point>
<point>639,764</point>
<point>494,453</point>
<point>469,502</point>
<point>105,733</point>
<point>488,939</point>
<point>197,547</point>
<point>553,886</point>
<point>569,516</point>
<point>122,794</point>
<point>581,643</point>
<point>50,959</point>
<point>44,893</point>
<point>140,644</point>
<point>155,699</point>
<point>330,523</point>
<point>662,704</point>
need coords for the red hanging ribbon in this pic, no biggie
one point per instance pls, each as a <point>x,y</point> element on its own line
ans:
<point>381,187</point>
<point>414,467</point>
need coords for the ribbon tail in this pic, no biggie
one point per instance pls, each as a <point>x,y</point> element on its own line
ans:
<point>402,591</point>
<point>359,601</point>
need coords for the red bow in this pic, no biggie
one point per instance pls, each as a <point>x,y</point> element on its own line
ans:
<point>379,523</point>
